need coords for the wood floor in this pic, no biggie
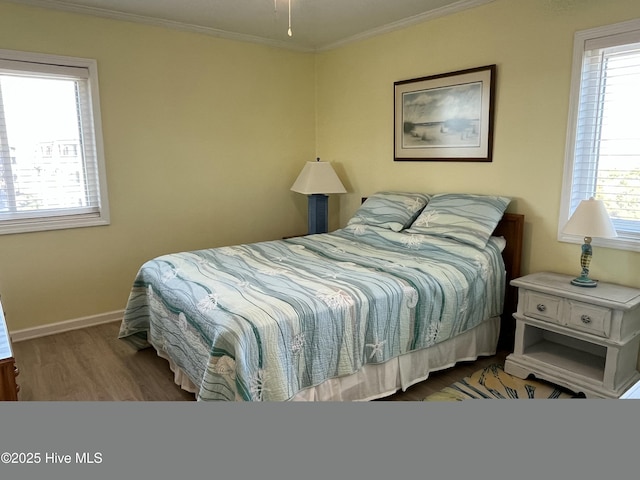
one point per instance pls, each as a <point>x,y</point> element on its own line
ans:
<point>92,364</point>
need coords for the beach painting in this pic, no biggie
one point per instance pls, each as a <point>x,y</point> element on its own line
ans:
<point>445,117</point>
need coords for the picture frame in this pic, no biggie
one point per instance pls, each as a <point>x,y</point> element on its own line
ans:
<point>445,117</point>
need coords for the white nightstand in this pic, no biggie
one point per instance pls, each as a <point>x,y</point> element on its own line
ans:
<point>585,339</point>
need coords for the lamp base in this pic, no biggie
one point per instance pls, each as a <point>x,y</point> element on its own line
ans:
<point>585,259</point>
<point>318,213</point>
<point>584,281</point>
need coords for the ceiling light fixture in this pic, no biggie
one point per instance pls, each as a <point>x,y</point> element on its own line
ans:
<point>275,9</point>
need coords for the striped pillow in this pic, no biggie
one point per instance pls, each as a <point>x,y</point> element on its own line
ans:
<point>467,218</point>
<point>392,210</point>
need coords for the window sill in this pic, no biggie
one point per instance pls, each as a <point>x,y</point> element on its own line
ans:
<point>49,224</point>
<point>619,243</point>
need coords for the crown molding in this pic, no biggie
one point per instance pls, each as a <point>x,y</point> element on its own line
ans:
<point>158,22</point>
<point>407,22</point>
<point>129,17</point>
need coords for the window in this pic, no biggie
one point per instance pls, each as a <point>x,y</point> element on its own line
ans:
<point>603,141</point>
<point>52,172</point>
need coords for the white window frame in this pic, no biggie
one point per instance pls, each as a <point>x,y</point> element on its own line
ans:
<point>92,127</point>
<point>580,38</point>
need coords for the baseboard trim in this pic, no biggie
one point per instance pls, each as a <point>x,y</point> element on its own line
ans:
<point>65,326</point>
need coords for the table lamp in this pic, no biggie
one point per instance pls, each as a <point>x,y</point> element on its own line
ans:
<point>590,219</point>
<point>317,180</point>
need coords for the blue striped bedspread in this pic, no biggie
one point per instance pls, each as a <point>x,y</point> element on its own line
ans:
<point>263,321</point>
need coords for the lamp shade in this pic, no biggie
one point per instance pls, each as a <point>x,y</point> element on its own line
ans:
<point>591,219</point>
<point>318,178</point>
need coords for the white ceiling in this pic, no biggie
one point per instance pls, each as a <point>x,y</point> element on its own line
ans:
<point>316,24</point>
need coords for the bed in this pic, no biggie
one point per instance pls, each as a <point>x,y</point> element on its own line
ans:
<point>413,283</point>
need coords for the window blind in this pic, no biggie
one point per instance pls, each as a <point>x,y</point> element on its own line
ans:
<point>607,139</point>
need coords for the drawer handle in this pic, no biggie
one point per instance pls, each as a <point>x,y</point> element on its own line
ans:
<point>585,319</point>
<point>541,307</point>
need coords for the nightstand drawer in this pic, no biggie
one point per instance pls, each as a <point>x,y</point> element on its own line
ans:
<point>544,307</point>
<point>589,318</point>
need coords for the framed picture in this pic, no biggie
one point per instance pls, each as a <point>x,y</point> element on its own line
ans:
<point>446,117</point>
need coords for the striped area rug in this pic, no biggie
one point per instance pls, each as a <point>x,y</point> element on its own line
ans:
<point>494,382</point>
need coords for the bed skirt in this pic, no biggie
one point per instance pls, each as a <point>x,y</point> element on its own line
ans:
<point>375,381</point>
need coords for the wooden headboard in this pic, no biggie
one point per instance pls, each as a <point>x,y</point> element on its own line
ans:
<point>511,227</point>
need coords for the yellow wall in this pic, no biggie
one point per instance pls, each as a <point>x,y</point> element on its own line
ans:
<point>203,139</point>
<point>531,41</point>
